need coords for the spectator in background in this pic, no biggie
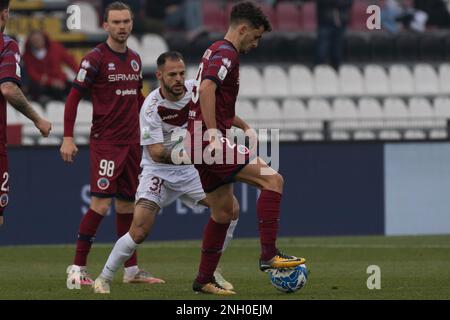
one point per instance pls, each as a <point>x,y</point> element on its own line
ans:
<point>438,12</point>
<point>44,60</point>
<point>332,17</point>
<point>390,11</point>
<point>411,18</point>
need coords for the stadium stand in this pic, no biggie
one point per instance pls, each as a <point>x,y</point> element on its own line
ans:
<point>391,86</point>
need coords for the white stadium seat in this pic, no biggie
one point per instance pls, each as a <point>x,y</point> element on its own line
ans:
<point>251,83</point>
<point>295,115</point>
<point>375,80</point>
<point>426,79</point>
<point>444,78</point>
<point>401,80</point>
<point>134,44</point>
<point>11,115</point>
<point>318,109</point>
<point>268,114</point>
<point>395,108</point>
<point>275,81</point>
<point>55,114</point>
<point>420,108</point>
<point>301,83</point>
<point>191,72</point>
<point>325,81</point>
<point>441,107</point>
<point>369,108</point>
<point>351,81</point>
<point>344,109</point>
<point>246,111</point>
<point>152,46</point>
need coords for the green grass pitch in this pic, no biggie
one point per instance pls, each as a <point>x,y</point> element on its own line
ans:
<point>411,268</point>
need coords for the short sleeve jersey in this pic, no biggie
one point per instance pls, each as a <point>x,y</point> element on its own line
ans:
<point>164,121</point>
<point>9,72</point>
<point>220,63</point>
<point>114,80</point>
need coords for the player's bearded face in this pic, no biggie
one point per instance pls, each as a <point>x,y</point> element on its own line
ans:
<point>119,25</point>
<point>172,77</point>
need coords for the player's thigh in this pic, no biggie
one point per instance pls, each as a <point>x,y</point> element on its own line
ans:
<point>107,162</point>
<point>151,187</point>
<point>4,182</point>
<point>192,190</point>
<point>128,180</point>
<point>259,174</point>
<point>124,206</point>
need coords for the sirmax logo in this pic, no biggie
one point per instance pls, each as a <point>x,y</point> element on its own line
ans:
<point>123,77</point>
<point>169,117</point>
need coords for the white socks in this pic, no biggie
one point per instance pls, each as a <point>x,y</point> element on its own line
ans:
<point>122,251</point>
<point>229,235</point>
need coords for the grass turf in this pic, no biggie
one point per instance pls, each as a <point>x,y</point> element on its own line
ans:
<point>411,268</point>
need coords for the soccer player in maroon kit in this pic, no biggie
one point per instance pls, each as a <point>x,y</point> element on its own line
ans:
<point>10,81</point>
<point>113,74</point>
<point>213,111</point>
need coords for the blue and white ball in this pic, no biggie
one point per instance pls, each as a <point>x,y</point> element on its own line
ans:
<point>289,280</point>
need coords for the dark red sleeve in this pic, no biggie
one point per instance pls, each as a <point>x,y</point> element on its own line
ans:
<point>220,65</point>
<point>70,111</point>
<point>9,63</point>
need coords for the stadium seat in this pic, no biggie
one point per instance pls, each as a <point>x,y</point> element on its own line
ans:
<point>191,72</point>
<point>376,80</point>
<point>275,81</point>
<point>395,108</point>
<point>444,78</point>
<point>369,109</point>
<point>214,17</point>
<point>420,108</point>
<point>89,18</point>
<point>288,17</point>
<point>301,82</point>
<point>49,141</point>
<point>55,114</point>
<point>153,45</point>
<point>295,116</point>
<point>11,115</point>
<point>134,44</point>
<point>344,108</point>
<point>401,80</point>
<point>318,109</point>
<point>28,141</point>
<point>251,83</point>
<point>426,79</point>
<point>268,114</point>
<point>246,110</point>
<point>325,81</point>
<point>441,107</point>
<point>351,80</point>
<point>308,16</point>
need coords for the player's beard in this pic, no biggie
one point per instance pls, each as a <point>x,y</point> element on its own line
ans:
<point>172,91</point>
<point>119,39</point>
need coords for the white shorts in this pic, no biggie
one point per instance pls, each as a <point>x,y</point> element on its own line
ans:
<point>186,187</point>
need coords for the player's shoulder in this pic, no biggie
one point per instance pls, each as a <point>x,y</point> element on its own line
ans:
<point>223,47</point>
<point>8,43</point>
<point>96,54</point>
<point>134,54</point>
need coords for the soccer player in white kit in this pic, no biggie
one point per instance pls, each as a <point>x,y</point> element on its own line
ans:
<point>163,123</point>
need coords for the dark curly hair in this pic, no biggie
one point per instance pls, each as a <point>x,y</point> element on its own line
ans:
<point>249,12</point>
<point>4,4</point>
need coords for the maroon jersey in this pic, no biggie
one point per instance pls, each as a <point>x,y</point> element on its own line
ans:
<point>115,81</point>
<point>220,63</point>
<point>9,71</point>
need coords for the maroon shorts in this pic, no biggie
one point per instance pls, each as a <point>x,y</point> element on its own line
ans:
<point>115,170</point>
<point>4,182</point>
<point>214,175</point>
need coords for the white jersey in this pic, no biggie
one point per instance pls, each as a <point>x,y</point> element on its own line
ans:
<point>164,121</point>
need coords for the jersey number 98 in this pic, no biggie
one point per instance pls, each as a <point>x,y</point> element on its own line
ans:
<point>106,168</point>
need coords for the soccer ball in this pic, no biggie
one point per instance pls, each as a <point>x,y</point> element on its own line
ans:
<point>289,280</point>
